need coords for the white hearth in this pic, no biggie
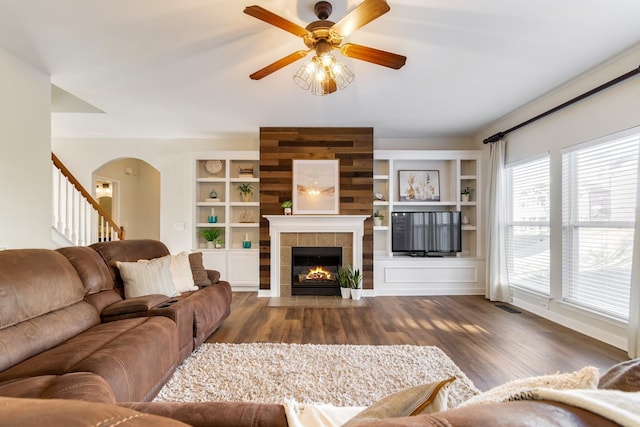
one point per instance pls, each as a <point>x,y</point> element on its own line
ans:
<point>280,224</point>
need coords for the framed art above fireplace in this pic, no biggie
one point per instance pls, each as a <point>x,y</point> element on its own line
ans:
<point>316,187</point>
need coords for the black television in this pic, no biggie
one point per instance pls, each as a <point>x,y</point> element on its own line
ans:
<point>426,233</point>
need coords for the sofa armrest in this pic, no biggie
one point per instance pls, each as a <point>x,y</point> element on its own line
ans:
<point>218,414</point>
<point>214,276</point>
<point>180,310</point>
<point>130,306</point>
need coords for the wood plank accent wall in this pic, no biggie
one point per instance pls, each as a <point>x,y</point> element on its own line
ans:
<point>352,146</point>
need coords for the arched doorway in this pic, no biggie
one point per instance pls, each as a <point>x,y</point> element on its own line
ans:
<point>130,188</point>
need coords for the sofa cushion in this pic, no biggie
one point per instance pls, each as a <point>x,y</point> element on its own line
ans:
<point>41,303</point>
<point>78,385</point>
<point>67,413</point>
<point>181,274</point>
<point>235,414</point>
<point>95,275</point>
<point>199,273</point>
<point>147,277</point>
<point>44,332</point>
<point>91,268</point>
<point>128,251</point>
<point>34,282</point>
<point>135,356</point>
<point>624,376</point>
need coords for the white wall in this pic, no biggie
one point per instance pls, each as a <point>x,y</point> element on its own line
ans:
<point>424,144</point>
<point>137,194</point>
<point>25,158</point>
<point>613,110</point>
<point>173,158</point>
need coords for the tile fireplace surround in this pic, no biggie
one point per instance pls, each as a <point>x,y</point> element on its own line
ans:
<point>309,230</point>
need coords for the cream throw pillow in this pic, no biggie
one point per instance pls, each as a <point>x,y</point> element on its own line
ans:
<point>585,378</point>
<point>147,277</point>
<point>181,274</point>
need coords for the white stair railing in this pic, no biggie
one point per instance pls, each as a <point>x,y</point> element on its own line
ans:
<point>76,214</point>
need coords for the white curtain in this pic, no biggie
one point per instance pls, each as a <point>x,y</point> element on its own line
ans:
<point>496,287</point>
<point>634,301</point>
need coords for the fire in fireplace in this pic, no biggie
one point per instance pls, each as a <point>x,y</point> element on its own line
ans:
<point>313,270</point>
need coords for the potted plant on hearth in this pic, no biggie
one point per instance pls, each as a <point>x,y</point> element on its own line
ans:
<point>246,191</point>
<point>356,284</point>
<point>344,279</point>
<point>210,235</point>
<point>287,207</point>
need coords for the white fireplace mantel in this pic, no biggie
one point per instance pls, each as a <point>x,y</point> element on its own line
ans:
<point>279,224</point>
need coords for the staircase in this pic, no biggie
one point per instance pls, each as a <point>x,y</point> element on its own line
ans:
<point>77,218</point>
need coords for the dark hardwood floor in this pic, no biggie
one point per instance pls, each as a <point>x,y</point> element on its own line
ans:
<point>490,345</point>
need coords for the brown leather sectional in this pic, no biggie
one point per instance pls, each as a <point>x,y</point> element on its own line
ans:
<point>66,329</point>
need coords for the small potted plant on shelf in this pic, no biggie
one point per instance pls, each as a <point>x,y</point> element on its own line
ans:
<point>218,243</point>
<point>246,191</point>
<point>210,235</point>
<point>287,207</point>
<point>466,193</point>
<point>377,218</point>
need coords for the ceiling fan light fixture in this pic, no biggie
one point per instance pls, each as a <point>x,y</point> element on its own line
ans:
<point>323,75</point>
<point>306,75</point>
<point>342,75</point>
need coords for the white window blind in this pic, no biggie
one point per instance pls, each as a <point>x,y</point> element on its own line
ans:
<point>599,203</point>
<point>527,230</point>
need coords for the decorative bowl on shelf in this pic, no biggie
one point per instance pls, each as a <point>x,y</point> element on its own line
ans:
<point>213,166</point>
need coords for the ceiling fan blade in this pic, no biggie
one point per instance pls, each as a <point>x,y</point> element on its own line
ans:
<point>280,63</point>
<point>375,56</point>
<point>360,16</point>
<point>273,19</point>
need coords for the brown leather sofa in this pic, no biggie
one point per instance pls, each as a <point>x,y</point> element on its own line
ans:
<point>198,314</point>
<point>66,330</point>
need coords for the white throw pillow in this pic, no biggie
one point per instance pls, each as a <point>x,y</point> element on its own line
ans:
<point>181,273</point>
<point>147,277</point>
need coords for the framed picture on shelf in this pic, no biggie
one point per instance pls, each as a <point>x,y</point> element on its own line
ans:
<point>316,187</point>
<point>419,186</point>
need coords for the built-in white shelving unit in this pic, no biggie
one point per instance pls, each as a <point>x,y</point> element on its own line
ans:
<point>238,219</point>
<point>396,274</point>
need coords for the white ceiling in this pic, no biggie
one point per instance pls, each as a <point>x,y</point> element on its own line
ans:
<point>179,68</point>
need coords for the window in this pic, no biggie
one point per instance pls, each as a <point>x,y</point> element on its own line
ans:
<point>599,203</point>
<point>527,231</point>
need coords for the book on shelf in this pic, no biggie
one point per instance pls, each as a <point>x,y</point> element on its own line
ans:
<point>209,199</point>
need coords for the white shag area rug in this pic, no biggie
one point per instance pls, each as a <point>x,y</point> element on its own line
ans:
<point>342,375</point>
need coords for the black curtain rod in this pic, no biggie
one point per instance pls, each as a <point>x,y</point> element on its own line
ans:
<point>498,136</point>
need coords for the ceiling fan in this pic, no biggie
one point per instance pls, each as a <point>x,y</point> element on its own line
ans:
<point>323,36</point>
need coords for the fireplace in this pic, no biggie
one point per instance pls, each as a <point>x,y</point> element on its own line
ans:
<point>313,270</point>
<point>289,231</point>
